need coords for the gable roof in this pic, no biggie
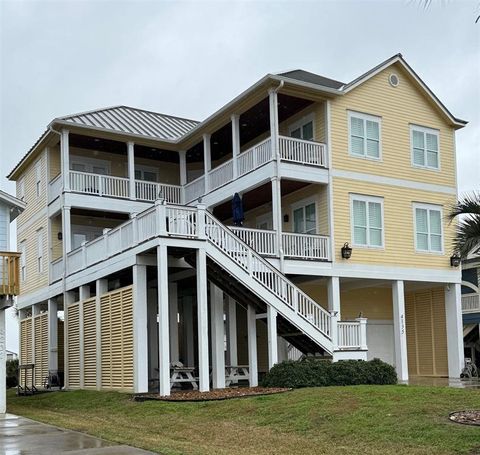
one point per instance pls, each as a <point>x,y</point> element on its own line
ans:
<point>15,204</point>
<point>131,120</point>
<point>312,78</point>
<point>398,58</point>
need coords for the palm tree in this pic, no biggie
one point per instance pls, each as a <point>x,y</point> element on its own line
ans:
<point>468,230</point>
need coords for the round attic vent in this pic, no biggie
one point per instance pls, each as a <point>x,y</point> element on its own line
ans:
<point>393,79</point>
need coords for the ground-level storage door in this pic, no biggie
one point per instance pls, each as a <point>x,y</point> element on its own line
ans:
<point>89,343</point>
<point>117,339</point>
<point>60,345</point>
<point>426,333</point>
<point>40,325</point>
<point>26,344</point>
<point>73,345</point>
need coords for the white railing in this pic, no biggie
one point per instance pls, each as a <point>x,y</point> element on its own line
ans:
<point>263,242</point>
<point>195,189</point>
<point>348,334</point>
<point>220,175</point>
<point>304,152</point>
<point>56,269</point>
<point>267,275</point>
<point>55,188</point>
<point>182,221</point>
<point>471,303</point>
<point>98,184</point>
<point>305,246</point>
<point>254,157</point>
<point>150,191</point>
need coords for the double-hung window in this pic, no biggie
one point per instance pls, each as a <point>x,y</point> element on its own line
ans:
<point>23,260</point>
<point>428,228</point>
<point>367,221</point>
<point>40,250</point>
<point>364,135</point>
<point>303,129</point>
<point>305,218</point>
<point>38,177</point>
<point>425,147</point>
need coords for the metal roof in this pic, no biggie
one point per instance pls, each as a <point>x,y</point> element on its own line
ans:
<point>130,120</point>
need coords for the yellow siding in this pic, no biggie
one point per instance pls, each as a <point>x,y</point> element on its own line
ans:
<point>426,333</point>
<point>57,247</point>
<point>117,339</point>
<point>398,107</point>
<point>54,162</point>
<point>399,229</point>
<point>33,218</point>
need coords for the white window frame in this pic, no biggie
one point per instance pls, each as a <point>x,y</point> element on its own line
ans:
<point>301,122</point>
<point>302,204</point>
<point>143,168</point>
<point>89,163</point>
<point>23,260</point>
<point>425,130</point>
<point>428,207</point>
<point>365,117</point>
<point>38,177</point>
<point>40,258</point>
<point>367,199</point>
<point>21,189</point>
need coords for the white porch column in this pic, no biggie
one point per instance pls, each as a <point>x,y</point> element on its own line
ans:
<point>453,313</point>
<point>101,287</point>
<point>217,323</point>
<point>65,159</point>
<point>188,329</point>
<point>235,142</point>
<point>202,316</point>
<point>52,335</point>
<point>163,321</point>
<point>183,166</point>
<point>131,169</point>
<point>399,331</point>
<point>173,318</point>
<point>207,160</point>
<point>84,295</point>
<point>252,345</point>
<point>66,231</point>
<point>232,332</point>
<point>334,307</point>
<point>68,297</point>
<point>277,212</point>
<point>3,360</point>
<point>273,107</point>
<point>272,336</point>
<point>140,330</point>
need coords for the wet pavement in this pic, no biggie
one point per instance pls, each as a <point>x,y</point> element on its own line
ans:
<point>21,436</point>
<point>473,383</point>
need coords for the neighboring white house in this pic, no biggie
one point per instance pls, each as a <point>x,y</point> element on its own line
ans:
<point>10,207</point>
<point>10,355</point>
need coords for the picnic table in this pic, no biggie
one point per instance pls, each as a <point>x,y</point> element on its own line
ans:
<point>234,373</point>
<point>181,374</point>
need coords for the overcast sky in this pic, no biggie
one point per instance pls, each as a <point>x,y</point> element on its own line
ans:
<point>190,58</point>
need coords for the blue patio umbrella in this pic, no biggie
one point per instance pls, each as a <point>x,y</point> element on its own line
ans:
<point>237,210</point>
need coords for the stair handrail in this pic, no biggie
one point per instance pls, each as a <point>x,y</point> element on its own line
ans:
<point>300,302</point>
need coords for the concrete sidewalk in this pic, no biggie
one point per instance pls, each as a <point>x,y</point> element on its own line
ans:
<point>19,435</point>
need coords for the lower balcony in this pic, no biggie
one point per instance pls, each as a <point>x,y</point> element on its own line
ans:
<point>9,274</point>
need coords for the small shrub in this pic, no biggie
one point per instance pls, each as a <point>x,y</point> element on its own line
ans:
<point>11,370</point>
<point>311,372</point>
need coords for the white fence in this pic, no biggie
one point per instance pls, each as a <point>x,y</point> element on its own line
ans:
<point>221,175</point>
<point>195,189</point>
<point>263,242</point>
<point>98,184</point>
<point>55,188</point>
<point>151,191</point>
<point>56,269</point>
<point>255,157</point>
<point>471,303</point>
<point>304,152</point>
<point>305,246</point>
<point>348,334</point>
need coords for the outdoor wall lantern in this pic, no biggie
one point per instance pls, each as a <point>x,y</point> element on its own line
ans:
<point>285,218</point>
<point>59,236</point>
<point>346,251</point>
<point>455,260</point>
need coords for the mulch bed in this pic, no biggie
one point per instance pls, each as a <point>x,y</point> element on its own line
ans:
<point>466,417</point>
<point>217,394</point>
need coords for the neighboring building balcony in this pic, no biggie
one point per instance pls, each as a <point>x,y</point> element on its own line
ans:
<point>470,303</point>
<point>9,274</point>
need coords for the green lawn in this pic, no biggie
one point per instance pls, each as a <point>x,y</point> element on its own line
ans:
<point>332,420</point>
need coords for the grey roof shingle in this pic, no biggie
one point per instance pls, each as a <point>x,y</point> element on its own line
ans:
<point>306,76</point>
<point>134,121</point>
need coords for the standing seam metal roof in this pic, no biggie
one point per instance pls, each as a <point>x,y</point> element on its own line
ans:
<point>134,121</point>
